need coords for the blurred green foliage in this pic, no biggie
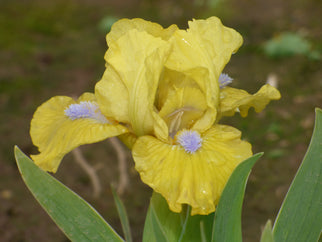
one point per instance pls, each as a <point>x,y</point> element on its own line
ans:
<point>106,23</point>
<point>290,44</point>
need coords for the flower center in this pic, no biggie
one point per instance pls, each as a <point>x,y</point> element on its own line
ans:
<point>176,119</point>
<point>190,140</point>
<point>175,123</point>
<point>85,109</point>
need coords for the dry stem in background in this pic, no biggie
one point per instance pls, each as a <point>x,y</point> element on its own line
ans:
<point>80,159</point>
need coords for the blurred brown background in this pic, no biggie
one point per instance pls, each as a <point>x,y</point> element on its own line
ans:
<point>50,48</point>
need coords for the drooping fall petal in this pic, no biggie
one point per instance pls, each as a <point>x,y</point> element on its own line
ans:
<point>233,100</point>
<point>62,124</point>
<point>195,176</point>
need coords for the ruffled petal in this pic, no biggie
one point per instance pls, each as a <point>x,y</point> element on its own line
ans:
<point>201,53</point>
<point>138,59</point>
<point>233,100</point>
<point>193,178</point>
<point>191,59</point>
<point>219,41</point>
<point>122,26</point>
<point>58,127</point>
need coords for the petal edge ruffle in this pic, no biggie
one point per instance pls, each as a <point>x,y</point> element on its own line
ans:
<point>124,25</point>
<point>195,179</point>
<point>233,100</point>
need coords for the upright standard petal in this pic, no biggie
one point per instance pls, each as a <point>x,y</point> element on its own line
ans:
<point>193,171</point>
<point>112,96</point>
<point>122,26</point>
<point>138,59</point>
<point>236,100</point>
<point>219,41</point>
<point>192,60</point>
<point>62,124</point>
<point>201,53</point>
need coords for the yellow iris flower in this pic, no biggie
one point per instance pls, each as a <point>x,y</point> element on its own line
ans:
<point>163,93</point>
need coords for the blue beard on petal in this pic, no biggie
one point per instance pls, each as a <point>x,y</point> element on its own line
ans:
<point>83,110</point>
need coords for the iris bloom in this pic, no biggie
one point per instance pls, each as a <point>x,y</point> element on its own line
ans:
<point>163,93</point>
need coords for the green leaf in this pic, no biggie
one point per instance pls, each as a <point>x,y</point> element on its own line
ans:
<point>299,218</point>
<point>161,223</point>
<point>287,44</point>
<point>199,228</point>
<point>123,216</point>
<point>227,225</point>
<point>106,23</point>
<point>74,216</point>
<point>267,235</point>
<point>151,233</point>
<point>164,225</point>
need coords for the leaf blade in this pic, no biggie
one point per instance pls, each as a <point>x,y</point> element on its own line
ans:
<point>228,212</point>
<point>73,215</point>
<point>123,216</point>
<point>299,218</point>
<point>267,234</point>
<point>164,225</point>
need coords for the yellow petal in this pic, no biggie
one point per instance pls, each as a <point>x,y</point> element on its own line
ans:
<point>192,60</point>
<point>138,59</point>
<point>128,139</point>
<point>196,178</point>
<point>201,53</point>
<point>112,96</point>
<point>219,41</point>
<point>122,26</point>
<point>172,80</point>
<point>233,100</point>
<point>56,134</point>
<point>182,108</point>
